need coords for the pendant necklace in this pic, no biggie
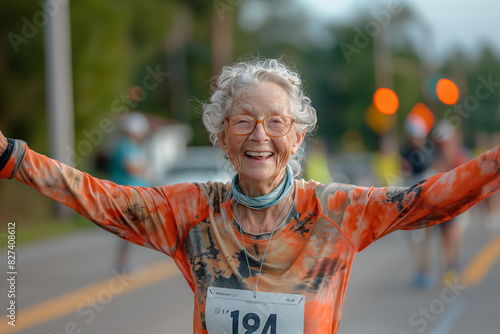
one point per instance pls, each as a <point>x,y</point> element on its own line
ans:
<point>254,285</point>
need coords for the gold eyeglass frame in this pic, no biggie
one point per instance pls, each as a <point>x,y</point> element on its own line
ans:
<point>263,125</point>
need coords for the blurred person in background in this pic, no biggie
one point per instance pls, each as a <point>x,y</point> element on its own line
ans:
<point>450,153</point>
<point>493,220</point>
<point>416,165</point>
<point>265,252</point>
<point>489,211</point>
<point>128,165</point>
<point>416,154</point>
<point>128,161</point>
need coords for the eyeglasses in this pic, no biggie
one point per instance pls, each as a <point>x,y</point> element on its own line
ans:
<point>274,126</point>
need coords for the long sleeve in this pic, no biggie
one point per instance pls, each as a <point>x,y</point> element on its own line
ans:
<point>367,214</point>
<point>155,217</point>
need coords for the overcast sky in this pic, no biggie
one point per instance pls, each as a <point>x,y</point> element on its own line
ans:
<point>462,23</point>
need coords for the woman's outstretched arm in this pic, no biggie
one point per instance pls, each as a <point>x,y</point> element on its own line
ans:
<point>152,217</point>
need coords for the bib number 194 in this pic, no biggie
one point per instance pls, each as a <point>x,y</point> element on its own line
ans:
<point>233,311</point>
<point>251,322</point>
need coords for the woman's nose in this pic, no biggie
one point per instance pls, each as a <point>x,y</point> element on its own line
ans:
<point>259,133</point>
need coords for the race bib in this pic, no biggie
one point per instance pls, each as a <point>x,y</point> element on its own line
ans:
<point>232,311</point>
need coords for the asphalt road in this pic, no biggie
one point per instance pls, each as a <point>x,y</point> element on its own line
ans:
<point>68,285</point>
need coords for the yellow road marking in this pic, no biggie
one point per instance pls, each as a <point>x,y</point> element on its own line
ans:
<point>479,267</point>
<point>70,302</point>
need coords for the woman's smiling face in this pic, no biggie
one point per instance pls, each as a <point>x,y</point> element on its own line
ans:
<point>260,159</point>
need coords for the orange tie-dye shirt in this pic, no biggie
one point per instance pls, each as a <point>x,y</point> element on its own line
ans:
<point>311,254</point>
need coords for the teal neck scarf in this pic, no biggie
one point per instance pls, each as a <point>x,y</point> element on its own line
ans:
<point>265,201</point>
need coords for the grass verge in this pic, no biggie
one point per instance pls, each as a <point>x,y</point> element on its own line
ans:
<point>49,227</point>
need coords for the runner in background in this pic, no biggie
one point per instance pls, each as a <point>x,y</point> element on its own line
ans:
<point>128,166</point>
<point>416,164</point>
<point>489,210</point>
<point>450,153</point>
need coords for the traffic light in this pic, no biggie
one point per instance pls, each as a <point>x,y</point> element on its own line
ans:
<point>442,89</point>
<point>380,115</point>
<point>447,91</point>
<point>386,101</point>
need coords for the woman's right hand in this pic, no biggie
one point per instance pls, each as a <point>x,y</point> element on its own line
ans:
<point>3,143</point>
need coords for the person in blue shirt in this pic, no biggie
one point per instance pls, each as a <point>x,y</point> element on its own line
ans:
<point>128,166</point>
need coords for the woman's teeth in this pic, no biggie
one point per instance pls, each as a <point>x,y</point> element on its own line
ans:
<point>259,154</point>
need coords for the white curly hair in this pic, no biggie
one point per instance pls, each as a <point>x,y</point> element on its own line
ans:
<point>254,72</point>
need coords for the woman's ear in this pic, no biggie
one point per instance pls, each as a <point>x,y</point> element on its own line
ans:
<point>221,137</point>
<point>299,138</point>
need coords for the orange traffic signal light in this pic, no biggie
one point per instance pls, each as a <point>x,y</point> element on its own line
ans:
<point>447,91</point>
<point>386,101</point>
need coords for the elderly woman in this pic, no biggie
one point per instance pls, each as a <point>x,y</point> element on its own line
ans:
<point>266,253</point>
